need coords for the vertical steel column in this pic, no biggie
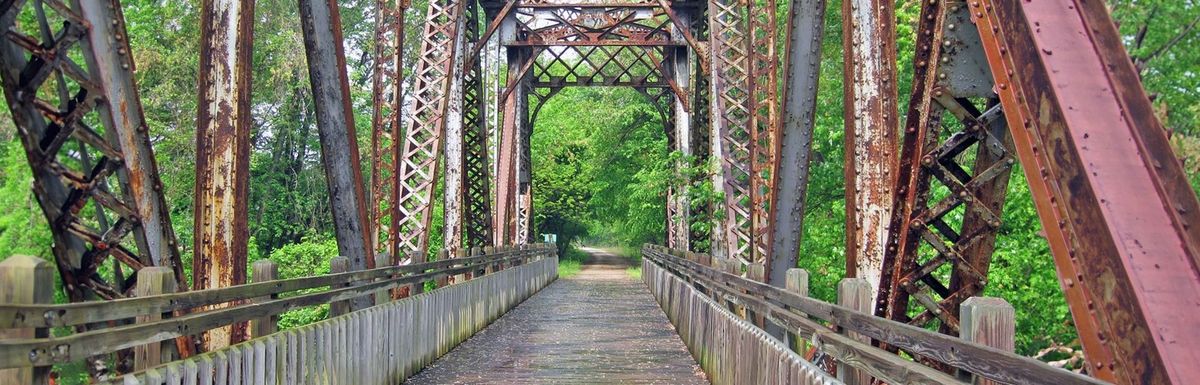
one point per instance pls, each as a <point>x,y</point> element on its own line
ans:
<point>728,42</point>
<point>476,173</point>
<point>524,166</point>
<point>764,124</point>
<point>322,30</point>
<point>802,62</point>
<point>223,154</point>
<point>453,183</point>
<point>423,138</point>
<point>701,240</point>
<point>871,124</point>
<point>386,98</point>
<point>680,68</point>
<point>1114,200</point>
<point>515,106</point>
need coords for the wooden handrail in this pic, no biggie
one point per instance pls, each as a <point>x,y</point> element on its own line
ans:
<point>47,351</point>
<point>785,306</point>
<point>80,313</point>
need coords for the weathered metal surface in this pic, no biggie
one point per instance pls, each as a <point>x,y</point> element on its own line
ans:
<point>870,122</point>
<point>452,187</point>
<point>52,97</point>
<point>680,72</point>
<point>764,125</point>
<point>423,137</point>
<point>387,75</point>
<point>610,66</point>
<point>321,27</point>
<point>524,170</point>
<point>703,234</point>
<point>930,230</point>
<point>593,25</point>
<point>223,154</point>
<point>516,114</point>
<point>790,170</point>
<point>731,119</point>
<point>476,165</point>
<point>1114,201</point>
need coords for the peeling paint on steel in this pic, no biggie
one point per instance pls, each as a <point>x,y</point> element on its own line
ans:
<point>871,124</point>
<point>223,154</point>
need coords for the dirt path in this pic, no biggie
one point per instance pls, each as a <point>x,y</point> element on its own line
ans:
<point>600,326</point>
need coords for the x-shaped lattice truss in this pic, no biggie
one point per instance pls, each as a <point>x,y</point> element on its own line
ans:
<point>68,80</point>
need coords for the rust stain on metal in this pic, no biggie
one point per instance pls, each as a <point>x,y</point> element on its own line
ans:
<point>223,154</point>
<point>386,80</point>
<point>870,138</point>
<point>423,141</point>
<point>1087,136</point>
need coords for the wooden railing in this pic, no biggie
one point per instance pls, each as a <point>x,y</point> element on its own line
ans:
<point>845,334</point>
<point>144,323</point>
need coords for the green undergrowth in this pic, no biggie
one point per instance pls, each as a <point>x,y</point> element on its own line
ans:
<point>571,262</point>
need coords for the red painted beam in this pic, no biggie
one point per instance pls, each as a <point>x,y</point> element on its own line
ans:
<point>1113,198</point>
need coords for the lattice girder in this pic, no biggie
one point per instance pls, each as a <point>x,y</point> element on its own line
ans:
<point>953,177</point>
<point>94,170</point>
<point>421,148</point>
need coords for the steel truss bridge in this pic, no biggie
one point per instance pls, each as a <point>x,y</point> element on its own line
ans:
<point>1046,85</point>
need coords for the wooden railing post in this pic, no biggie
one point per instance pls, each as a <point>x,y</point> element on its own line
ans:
<point>443,255</point>
<point>477,271</point>
<point>490,267</point>
<point>854,293</point>
<point>797,283</point>
<point>733,266</point>
<point>339,265</point>
<point>987,321</point>
<point>25,280</point>
<point>153,281</point>
<point>757,272</point>
<point>463,277</point>
<point>264,270</point>
<point>382,296</point>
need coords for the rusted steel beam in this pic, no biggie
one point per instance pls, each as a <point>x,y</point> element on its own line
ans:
<point>702,237</point>
<point>952,111</point>
<point>729,41</point>
<point>1115,203</point>
<point>453,187</point>
<point>870,137</point>
<point>789,172</point>
<point>764,127</point>
<point>678,71</point>
<point>322,29</point>
<point>111,65</point>
<point>524,170</point>
<point>494,21</point>
<point>476,167</point>
<point>422,147</point>
<point>101,91</point>
<point>387,77</point>
<point>223,154</point>
<point>515,99</point>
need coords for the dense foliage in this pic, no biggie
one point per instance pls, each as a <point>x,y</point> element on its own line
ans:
<point>601,167</point>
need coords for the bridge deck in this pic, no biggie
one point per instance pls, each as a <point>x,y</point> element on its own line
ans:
<point>601,326</point>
